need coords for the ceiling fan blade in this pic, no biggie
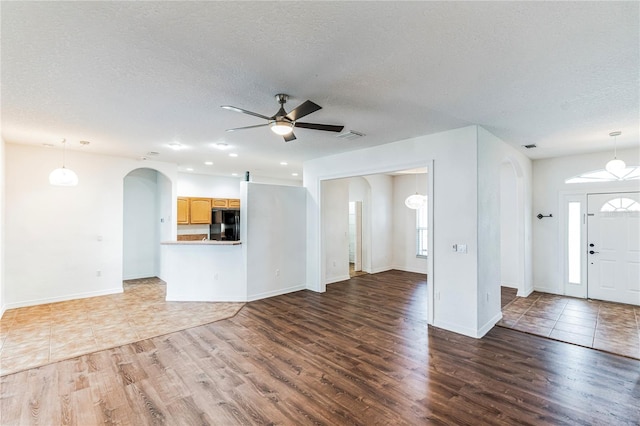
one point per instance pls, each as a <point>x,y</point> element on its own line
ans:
<point>247,127</point>
<point>316,126</point>
<point>305,108</point>
<point>290,137</point>
<point>244,111</point>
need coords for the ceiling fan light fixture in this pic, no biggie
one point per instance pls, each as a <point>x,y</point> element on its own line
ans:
<point>281,127</point>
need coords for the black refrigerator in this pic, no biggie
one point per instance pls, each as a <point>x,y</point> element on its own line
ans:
<point>225,225</point>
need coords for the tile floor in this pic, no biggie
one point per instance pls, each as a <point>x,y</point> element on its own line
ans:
<point>611,327</point>
<point>37,335</point>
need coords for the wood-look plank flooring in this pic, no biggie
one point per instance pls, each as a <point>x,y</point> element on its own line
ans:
<point>359,354</point>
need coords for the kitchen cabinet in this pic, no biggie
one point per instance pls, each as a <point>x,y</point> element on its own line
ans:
<point>220,203</point>
<point>197,210</point>
<point>183,211</point>
<point>200,210</point>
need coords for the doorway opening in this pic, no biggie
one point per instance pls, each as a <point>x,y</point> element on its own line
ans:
<point>355,239</point>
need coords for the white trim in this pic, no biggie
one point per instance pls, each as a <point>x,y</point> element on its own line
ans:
<point>267,294</point>
<point>337,279</point>
<point>489,325</point>
<point>86,295</point>
<point>454,327</point>
<point>409,269</point>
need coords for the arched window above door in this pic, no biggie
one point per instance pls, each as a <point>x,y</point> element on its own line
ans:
<point>630,173</point>
<point>621,204</point>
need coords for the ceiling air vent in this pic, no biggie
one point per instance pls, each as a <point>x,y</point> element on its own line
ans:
<point>532,145</point>
<point>351,134</point>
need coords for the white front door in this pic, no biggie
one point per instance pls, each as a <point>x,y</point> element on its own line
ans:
<point>613,247</point>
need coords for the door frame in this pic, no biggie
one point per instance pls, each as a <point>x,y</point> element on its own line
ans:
<point>581,195</point>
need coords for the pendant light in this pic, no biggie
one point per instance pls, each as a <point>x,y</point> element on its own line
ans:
<point>63,176</point>
<point>416,201</point>
<point>615,166</point>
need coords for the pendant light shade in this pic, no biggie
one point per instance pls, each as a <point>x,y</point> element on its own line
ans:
<point>615,166</point>
<point>63,176</point>
<point>415,201</point>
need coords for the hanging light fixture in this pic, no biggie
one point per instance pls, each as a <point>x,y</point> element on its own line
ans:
<point>416,201</point>
<point>615,166</point>
<point>63,176</point>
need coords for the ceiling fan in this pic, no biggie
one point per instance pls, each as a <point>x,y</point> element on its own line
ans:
<point>282,123</point>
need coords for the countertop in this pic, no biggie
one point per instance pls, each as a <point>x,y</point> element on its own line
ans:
<point>203,243</point>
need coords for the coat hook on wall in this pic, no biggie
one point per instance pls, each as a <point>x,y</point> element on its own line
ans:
<point>540,215</point>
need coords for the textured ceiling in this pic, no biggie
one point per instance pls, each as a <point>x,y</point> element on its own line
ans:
<point>131,77</point>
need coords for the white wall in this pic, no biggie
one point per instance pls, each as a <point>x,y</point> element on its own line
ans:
<point>381,215</point>
<point>403,227</point>
<point>548,186</point>
<point>272,231</point>
<point>454,276</point>
<point>207,186</point>
<point>335,229</point>
<point>53,248</point>
<point>360,190</point>
<point>508,227</point>
<point>140,221</point>
<point>2,232</point>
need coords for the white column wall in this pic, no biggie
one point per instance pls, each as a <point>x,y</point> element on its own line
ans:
<point>454,276</point>
<point>381,222</point>
<point>335,229</point>
<point>548,186</point>
<point>53,248</point>
<point>2,228</point>
<point>272,231</point>
<point>404,223</point>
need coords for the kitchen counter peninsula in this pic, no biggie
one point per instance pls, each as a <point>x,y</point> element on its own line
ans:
<point>203,271</point>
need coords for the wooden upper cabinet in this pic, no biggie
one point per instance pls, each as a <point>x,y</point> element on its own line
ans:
<point>183,211</point>
<point>234,203</point>
<point>219,202</point>
<point>200,210</point>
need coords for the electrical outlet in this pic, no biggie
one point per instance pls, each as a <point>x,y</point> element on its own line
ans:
<point>277,272</point>
<point>98,273</point>
<point>334,263</point>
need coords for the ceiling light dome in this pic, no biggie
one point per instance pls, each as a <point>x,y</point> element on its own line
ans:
<point>615,166</point>
<point>63,177</point>
<point>281,127</point>
<point>415,201</point>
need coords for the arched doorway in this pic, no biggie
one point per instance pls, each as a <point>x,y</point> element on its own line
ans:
<point>147,207</point>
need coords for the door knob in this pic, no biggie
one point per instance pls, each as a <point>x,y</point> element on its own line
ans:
<point>593,252</point>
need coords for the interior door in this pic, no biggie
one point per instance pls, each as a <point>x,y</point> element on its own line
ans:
<point>613,252</point>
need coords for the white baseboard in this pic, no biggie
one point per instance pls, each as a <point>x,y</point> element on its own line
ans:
<point>410,269</point>
<point>525,293</point>
<point>337,279</point>
<point>34,302</point>
<point>278,292</point>
<point>456,328</point>
<point>550,290</point>
<point>138,276</point>
<point>381,269</point>
<point>2,309</point>
<point>489,325</point>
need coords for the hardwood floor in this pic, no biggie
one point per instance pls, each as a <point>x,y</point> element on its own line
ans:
<point>360,354</point>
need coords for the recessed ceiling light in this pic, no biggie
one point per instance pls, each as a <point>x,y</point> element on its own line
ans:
<point>208,163</point>
<point>221,145</point>
<point>294,174</point>
<point>176,146</point>
<point>152,153</point>
<point>233,154</point>
<point>234,174</point>
<point>84,143</point>
<point>47,145</point>
<point>189,169</point>
<point>283,163</point>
